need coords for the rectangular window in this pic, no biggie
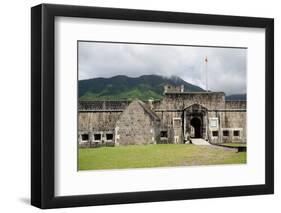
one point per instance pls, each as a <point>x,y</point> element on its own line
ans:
<point>85,137</point>
<point>236,133</point>
<point>225,133</point>
<point>164,134</point>
<point>215,133</point>
<point>97,137</point>
<point>109,136</point>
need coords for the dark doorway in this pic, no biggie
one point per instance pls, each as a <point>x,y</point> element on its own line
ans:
<point>197,125</point>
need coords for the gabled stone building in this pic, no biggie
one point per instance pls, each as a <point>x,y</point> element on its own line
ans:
<point>137,125</point>
<point>177,118</point>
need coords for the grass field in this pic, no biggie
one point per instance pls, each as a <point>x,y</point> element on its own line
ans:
<point>160,155</point>
<point>235,144</point>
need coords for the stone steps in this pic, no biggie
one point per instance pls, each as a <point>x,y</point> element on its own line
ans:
<point>200,142</point>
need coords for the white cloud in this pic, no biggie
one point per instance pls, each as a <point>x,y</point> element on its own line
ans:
<point>226,66</point>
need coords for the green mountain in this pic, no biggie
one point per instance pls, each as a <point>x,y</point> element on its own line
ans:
<point>126,88</point>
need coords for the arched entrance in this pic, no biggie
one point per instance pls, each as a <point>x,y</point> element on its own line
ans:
<point>195,122</point>
<point>197,125</point>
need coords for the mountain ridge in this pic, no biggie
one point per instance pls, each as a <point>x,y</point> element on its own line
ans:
<point>122,87</point>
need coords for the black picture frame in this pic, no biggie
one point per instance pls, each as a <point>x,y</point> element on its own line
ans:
<point>43,102</point>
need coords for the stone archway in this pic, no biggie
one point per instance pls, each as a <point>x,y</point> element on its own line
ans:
<point>197,125</point>
<point>195,122</point>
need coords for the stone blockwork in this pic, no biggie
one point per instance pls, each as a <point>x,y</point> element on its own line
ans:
<point>175,119</point>
<point>235,104</point>
<point>99,124</point>
<point>102,105</point>
<point>98,121</point>
<point>137,125</point>
<point>170,121</point>
<point>210,100</point>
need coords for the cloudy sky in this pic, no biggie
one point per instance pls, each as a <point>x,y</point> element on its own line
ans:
<point>226,67</point>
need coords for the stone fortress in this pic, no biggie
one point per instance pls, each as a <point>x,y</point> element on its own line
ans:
<point>178,118</point>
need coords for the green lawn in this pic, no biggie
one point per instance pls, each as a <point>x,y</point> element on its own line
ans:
<point>160,155</point>
<point>235,144</point>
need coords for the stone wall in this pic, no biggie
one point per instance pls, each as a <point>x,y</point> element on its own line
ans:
<point>97,121</point>
<point>235,121</point>
<point>163,121</point>
<point>229,122</point>
<point>137,125</point>
<point>173,105</point>
<point>102,105</point>
<point>210,100</point>
<point>169,123</point>
<point>235,104</point>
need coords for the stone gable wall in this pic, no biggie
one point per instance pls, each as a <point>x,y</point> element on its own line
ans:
<point>135,126</point>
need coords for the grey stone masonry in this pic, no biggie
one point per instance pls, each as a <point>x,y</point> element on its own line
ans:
<point>137,125</point>
<point>178,118</point>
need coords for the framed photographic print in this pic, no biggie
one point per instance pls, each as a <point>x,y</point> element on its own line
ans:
<point>139,106</point>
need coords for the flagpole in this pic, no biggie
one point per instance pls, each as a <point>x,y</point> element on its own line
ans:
<point>206,73</point>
